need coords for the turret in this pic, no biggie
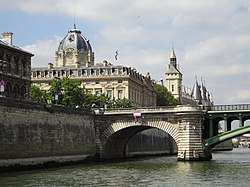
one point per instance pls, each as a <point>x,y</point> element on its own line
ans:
<point>174,77</point>
<point>173,59</point>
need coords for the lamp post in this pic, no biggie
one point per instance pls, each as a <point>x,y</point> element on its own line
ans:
<point>113,92</point>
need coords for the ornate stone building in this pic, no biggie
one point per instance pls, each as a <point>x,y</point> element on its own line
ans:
<point>75,60</point>
<point>199,95</point>
<point>15,69</point>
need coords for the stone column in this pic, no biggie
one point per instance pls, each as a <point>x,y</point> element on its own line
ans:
<point>240,121</point>
<point>225,123</point>
<point>211,129</point>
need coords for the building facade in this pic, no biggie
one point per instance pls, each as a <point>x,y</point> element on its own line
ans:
<point>198,95</point>
<point>75,60</point>
<point>15,69</point>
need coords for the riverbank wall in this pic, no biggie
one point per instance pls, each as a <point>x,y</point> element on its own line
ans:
<point>34,134</point>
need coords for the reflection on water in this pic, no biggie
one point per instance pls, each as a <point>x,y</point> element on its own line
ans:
<point>230,168</point>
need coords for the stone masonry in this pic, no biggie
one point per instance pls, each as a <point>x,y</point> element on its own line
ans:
<point>32,134</point>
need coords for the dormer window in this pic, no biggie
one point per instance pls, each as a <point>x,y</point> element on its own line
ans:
<point>71,38</point>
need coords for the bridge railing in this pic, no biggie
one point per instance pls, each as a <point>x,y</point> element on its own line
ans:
<point>229,107</point>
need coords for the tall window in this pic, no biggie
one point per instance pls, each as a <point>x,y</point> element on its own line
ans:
<point>98,93</point>
<point>23,69</point>
<point>172,87</point>
<point>109,93</point>
<point>16,68</point>
<point>120,94</point>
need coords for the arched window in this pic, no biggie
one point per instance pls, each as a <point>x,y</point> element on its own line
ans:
<point>9,68</point>
<point>8,89</point>
<point>17,68</point>
<point>23,92</point>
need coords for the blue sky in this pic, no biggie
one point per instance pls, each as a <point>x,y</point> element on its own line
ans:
<point>211,37</point>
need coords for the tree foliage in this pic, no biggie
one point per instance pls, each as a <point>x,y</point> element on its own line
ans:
<point>68,92</point>
<point>123,103</point>
<point>38,95</point>
<point>164,97</point>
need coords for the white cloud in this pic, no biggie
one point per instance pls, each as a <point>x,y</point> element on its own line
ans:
<point>221,55</point>
<point>44,51</point>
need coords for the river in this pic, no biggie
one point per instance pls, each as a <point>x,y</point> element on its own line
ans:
<point>230,168</point>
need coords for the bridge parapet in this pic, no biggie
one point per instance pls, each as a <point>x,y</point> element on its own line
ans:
<point>179,108</point>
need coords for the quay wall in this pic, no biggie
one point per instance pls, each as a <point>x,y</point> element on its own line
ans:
<point>35,134</point>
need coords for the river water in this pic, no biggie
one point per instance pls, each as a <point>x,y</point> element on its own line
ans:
<point>230,168</point>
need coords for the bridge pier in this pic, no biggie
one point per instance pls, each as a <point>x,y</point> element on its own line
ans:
<point>190,146</point>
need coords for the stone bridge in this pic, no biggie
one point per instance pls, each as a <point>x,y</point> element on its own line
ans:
<point>183,123</point>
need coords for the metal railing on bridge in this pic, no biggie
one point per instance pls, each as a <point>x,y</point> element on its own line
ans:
<point>229,107</point>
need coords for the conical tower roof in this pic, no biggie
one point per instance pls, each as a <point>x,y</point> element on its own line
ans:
<point>203,92</point>
<point>196,92</point>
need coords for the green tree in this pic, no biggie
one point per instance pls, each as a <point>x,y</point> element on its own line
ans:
<point>55,89</point>
<point>164,97</point>
<point>94,101</point>
<point>123,103</point>
<point>38,95</point>
<point>70,93</point>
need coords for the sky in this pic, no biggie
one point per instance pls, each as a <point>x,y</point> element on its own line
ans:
<point>211,38</point>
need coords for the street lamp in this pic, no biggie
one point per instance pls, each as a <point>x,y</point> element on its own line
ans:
<point>113,92</point>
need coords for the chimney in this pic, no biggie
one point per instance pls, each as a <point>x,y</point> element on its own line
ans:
<point>7,37</point>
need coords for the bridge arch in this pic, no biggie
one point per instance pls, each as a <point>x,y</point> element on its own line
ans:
<point>117,135</point>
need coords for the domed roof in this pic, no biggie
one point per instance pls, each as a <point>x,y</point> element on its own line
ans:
<point>75,40</point>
